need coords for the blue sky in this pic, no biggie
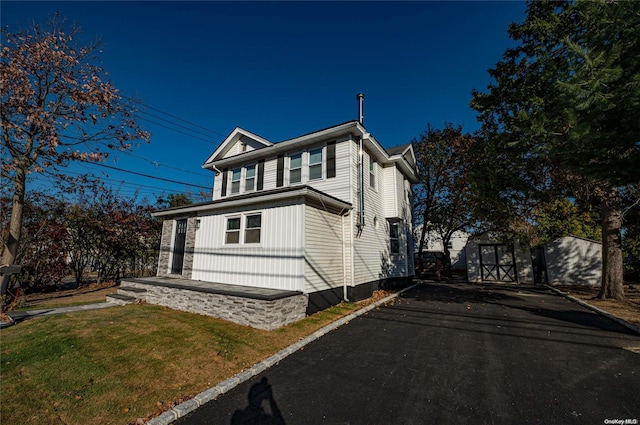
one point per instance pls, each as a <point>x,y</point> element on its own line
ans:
<point>282,69</point>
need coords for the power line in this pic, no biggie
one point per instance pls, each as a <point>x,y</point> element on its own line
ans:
<point>208,134</point>
<point>173,116</point>
<point>150,176</point>
<point>156,163</point>
<point>175,130</point>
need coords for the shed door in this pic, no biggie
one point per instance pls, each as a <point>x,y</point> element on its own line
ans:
<point>497,263</point>
<point>178,246</point>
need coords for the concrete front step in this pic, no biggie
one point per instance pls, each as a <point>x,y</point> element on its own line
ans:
<point>121,299</point>
<point>132,289</point>
<point>137,293</point>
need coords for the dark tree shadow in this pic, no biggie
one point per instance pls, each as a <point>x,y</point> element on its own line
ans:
<point>254,413</point>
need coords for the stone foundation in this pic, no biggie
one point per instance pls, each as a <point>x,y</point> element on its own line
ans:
<point>257,313</point>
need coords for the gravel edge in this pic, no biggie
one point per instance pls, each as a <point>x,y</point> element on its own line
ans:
<point>623,322</point>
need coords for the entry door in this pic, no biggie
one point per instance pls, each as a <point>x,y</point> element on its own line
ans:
<point>178,246</point>
<point>497,263</point>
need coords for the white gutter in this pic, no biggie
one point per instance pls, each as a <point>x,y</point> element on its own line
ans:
<point>230,202</point>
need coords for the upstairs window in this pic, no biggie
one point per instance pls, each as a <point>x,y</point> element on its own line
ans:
<point>295,168</point>
<point>372,172</point>
<point>236,174</point>
<point>232,235</point>
<point>252,228</point>
<point>394,237</point>
<point>250,179</point>
<point>315,164</point>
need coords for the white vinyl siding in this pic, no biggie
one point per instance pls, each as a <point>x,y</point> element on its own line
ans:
<point>340,185</point>
<point>371,249</point>
<point>277,262</point>
<point>323,250</point>
<point>243,145</point>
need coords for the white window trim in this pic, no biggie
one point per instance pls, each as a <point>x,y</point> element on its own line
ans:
<point>373,170</point>
<point>322,164</point>
<point>305,160</point>
<point>255,177</point>
<point>231,180</point>
<point>397,238</point>
<point>289,169</point>
<point>226,230</point>
<point>243,227</point>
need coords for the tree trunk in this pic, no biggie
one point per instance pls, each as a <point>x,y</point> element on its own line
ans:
<point>612,281</point>
<point>15,230</point>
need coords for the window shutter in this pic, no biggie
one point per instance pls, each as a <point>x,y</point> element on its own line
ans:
<point>280,171</point>
<point>331,159</point>
<point>260,183</point>
<point>224,182</point>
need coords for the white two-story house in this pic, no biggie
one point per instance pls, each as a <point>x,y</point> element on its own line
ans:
<point>326,214</point>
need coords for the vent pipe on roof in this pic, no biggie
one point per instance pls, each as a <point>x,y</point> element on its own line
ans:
<point>360,98</point>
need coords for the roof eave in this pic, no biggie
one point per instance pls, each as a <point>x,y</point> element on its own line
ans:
<point>286,145</point>
<point>305,191</point>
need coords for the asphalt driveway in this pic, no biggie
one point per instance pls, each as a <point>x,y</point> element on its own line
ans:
<point>450,354</point>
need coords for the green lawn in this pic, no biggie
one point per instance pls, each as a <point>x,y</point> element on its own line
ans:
<point>115,365</point>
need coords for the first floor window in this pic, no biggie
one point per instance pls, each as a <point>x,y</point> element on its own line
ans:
<point>394,237</point>
<point>295,168</point>
<point>232,235</point>
<point>236,173</point>
<point>250,179</point>
<point>315,164</point>
<point>252,228</point>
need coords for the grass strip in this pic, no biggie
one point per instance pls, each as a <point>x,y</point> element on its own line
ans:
<point>116,365</point>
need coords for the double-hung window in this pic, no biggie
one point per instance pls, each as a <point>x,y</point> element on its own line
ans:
<point>232,235</point>
<point>236,174</point>
<point>295,168</point>
<point>315,164</point>
<point>252,228</point>
<point>250,178</point>
<point>394,237</point>
<point>372,172</point>
<point>243,229</point>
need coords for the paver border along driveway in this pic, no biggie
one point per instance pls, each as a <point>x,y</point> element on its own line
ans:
<point>450,354</point>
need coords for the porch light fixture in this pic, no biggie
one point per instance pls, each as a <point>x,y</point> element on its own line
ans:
<point>197,224</point>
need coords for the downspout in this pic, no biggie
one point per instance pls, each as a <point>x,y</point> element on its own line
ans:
<point>217,173</point>
<point>360,224</point>
<point>361,184</point>
<point>345,293</point>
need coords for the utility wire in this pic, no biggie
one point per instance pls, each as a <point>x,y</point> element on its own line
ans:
<point>175,130</point>
<point>150,176</point>
<point>208,134</point>
<point>156,163</point>
<point>173,116</point>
